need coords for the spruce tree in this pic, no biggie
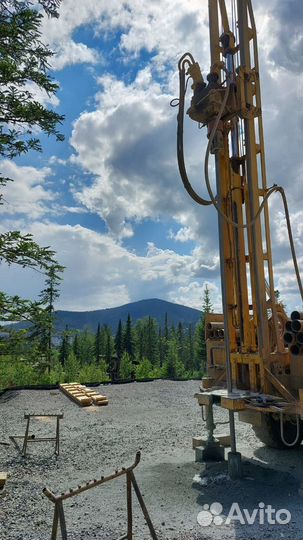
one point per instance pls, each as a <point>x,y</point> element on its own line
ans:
<point>65,347</point>
<point>119,341</point>
<point>76,346</point>
<point>189,350</point>
<point>161,348</point>
<point>86,346</point>
<point>109,345</point>
<point>151,340</point>
<point>180,342</point>
<point>98,344</point>
<point>139,340</point>
<point>128,343</point>
<point>43,318</point>
<point>200,343</point>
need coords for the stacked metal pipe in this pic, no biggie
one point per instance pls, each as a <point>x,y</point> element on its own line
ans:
<point>293,335</point>
<point>215,330</point>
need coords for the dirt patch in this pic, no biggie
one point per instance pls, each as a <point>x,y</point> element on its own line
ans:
<point>159,418</point>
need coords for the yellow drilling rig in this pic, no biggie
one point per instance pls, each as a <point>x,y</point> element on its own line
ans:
<point>254,352</point>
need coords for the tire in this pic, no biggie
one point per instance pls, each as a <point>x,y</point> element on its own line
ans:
<point>269,433</point>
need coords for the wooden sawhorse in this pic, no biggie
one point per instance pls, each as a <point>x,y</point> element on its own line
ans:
<point>31,438</point>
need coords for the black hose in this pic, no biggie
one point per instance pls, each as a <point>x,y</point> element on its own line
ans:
<point>180,150</point>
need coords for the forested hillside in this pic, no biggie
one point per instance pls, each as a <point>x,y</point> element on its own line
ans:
<point>133,350</point>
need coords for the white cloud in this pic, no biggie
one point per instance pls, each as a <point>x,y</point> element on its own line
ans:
<point>73,209</point>
<point>28,193</point>
<point>101,273</point>
<point>69,52</point>
<point>161,27</point>
<point>182,235</point>
<point>41,95</point>
<point>128,144</point>
<point>193,293</point>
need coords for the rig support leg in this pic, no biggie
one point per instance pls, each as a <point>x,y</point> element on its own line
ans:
<point>212,451</point>
<point>234,457</point>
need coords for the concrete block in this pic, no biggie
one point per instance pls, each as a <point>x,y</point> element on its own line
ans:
<point>211,452</point>
<point>198,441</point>
<point>223,440</point>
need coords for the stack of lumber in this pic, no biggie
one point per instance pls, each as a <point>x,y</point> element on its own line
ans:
<point>82,395</point>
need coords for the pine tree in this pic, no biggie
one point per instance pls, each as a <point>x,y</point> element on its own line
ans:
<point>43,318</point>
<point>189,350</point>
<point>172,359</point>
<point>200,343</point>
<point>98,344</point>
<point>161,348</point>
<point>165,337</point>
<point>86,347</point>
<point>76,346</point>
<point>119,341</point>
<point>109,345</point>
<point>180,341</point>
<point>65,347</point>
<point>128,343</point>
<point>24,64</point>
<point>139,340</point>
<point>151,340</point>
<point>166,329</point>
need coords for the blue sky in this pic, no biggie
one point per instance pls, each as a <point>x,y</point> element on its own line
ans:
<point>109,199</point>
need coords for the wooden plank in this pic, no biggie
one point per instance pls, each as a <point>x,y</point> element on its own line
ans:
<point>233,404</point>
<point>3,478</point>
<point>278,386</point>
<point>42,415</point>
<point>82,395</point>
<point>204,398</point>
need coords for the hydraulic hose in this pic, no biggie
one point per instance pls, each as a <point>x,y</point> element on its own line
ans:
<point>270,191</point>
<point>180,150</point>
<point>204,202</point>
<point>282,431</point>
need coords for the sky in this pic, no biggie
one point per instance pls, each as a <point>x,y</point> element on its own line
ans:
<point>109,199</point>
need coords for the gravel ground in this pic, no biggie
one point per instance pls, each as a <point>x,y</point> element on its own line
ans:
<point>159,418</point>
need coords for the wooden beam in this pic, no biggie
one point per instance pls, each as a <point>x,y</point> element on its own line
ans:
<point>278,385</point>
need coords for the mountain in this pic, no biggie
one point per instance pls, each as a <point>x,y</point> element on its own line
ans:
<point>138,310</point>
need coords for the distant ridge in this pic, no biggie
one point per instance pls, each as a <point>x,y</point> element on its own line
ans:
<point>138,310</point>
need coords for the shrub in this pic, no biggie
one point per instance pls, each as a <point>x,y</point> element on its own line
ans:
<point>71,368</point>
<point>144,369</point>
<point>126,367</point>
<point>93,372</point>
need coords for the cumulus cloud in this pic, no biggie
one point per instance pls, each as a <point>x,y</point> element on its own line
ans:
<point>140,24</point>
<point>101,271</point>
<point>193,293</point>
<point>184,234</point>
<point>28,194</point>
<point>128,144</point>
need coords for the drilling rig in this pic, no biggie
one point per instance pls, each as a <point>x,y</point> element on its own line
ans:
<point>254,351</point>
